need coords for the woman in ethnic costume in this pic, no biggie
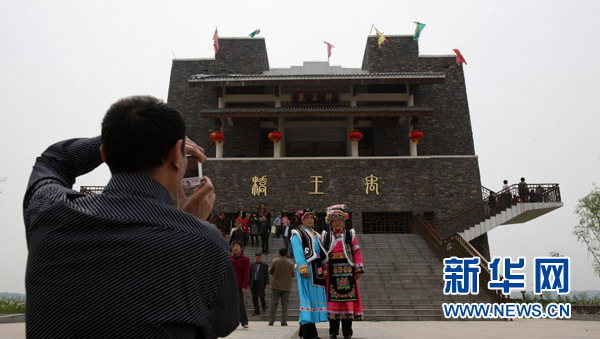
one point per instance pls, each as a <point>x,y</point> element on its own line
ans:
<point>311,274</point>
<point>345,266</point>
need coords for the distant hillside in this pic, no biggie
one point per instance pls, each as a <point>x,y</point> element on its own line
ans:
<point>12,295</point>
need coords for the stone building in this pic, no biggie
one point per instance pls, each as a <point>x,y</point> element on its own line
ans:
<point>384,178</point>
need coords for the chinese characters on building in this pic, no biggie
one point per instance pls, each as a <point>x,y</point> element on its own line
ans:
<point>309,97</point>
<point>316,180</point>
<point>259,185</point>
<point>461,275</point>
<point>372,185</point>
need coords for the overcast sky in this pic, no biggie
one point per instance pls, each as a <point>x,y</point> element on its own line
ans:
<point>532,81</point>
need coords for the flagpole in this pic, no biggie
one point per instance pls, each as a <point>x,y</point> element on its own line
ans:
<point>371,31</point>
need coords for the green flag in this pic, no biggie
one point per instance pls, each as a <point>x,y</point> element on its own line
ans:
<point>418,30</point>
<point>256,31</point>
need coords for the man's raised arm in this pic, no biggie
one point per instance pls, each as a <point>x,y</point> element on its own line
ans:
<point>55,171</point>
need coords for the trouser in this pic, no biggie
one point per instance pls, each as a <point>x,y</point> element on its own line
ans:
<point>286,244</point>
<point>265,242</point>
<point>258,292</point>
<point>243,315</point>
<point>334,327</point>
<point>275,296</point>
<point>252,237</point>
<point>506,197</point>
<point>308,331</point>
<point>523,195</point>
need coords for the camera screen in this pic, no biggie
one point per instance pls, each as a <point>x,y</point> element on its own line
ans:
<point>192,167</point>
<point>193,173</point>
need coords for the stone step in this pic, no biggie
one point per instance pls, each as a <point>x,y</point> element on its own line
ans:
<point>403,280</point>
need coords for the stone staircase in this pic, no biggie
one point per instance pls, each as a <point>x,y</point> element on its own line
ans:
<point>403,280</point>
<point>519,213</point>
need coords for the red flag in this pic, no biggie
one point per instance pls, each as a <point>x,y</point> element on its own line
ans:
<point>459,58</point>
<point>216,41</point>
<point>329,46</point>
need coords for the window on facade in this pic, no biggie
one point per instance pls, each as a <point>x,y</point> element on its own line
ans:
<point>249,90</point>
<point>365,146</point>
<point>386,222</point>
<point>387,88</point>
<point>266,146</point>
<point>316,142</point>
<point>248,104</point>
<point>381,103</point>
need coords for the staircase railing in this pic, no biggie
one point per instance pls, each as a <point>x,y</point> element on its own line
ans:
<point>493,203</point>
<point>456,246</point>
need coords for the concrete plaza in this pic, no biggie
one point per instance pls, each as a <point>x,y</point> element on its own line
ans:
<point>520,328</point>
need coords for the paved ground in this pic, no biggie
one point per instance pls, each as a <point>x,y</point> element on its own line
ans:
<point>521,328</point>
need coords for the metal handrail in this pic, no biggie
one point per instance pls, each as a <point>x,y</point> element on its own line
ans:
<point>493,203</point>
<point>455,245</point>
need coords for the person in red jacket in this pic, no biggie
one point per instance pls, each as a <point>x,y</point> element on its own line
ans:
<point>241,266</point>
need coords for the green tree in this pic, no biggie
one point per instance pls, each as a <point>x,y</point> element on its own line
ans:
<point>588,230</point>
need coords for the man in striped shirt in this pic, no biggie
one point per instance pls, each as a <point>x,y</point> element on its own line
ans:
<point>126,263</point>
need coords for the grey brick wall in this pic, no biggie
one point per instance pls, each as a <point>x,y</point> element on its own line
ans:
<point>448,131</point>
<point>399,54</point>
<point>441,185</point>
<point>236,56</point>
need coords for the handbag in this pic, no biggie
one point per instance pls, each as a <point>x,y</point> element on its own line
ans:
<point>273,229</point>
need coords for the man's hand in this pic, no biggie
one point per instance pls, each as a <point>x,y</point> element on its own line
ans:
<point>201,202</point>
<point>192,148</point>
<point>244,291</point>
<point>305,275</point>
<point>357,275</point>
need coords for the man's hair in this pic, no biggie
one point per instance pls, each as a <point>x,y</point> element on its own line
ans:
<point>138,132</point>
<point>237,242</point>
<point>283,252</point>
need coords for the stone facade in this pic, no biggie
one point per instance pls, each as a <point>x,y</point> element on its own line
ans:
<point>236,56</point>
<point>443,185</point>
<point>448,131</point>
<point>444,178</point>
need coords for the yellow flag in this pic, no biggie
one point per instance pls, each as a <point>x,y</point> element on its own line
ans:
<point>381,40</point>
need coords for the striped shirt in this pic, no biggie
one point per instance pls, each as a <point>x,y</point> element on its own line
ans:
<point>121,264</point>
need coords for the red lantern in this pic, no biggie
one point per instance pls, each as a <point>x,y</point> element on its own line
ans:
<point>355,136</point>
<point>415,136</point>
<point>275,137</point>
<point>217,137</point>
